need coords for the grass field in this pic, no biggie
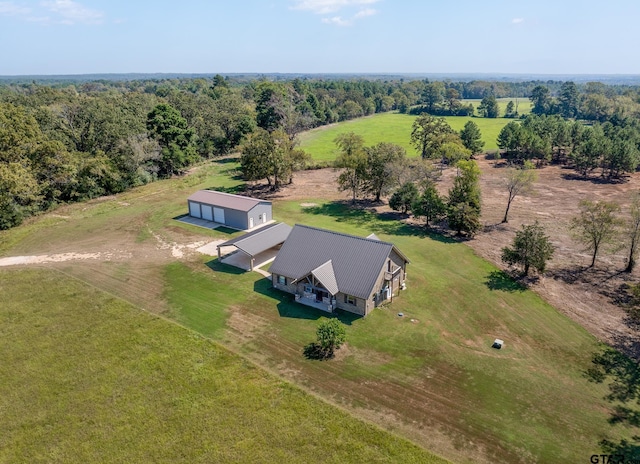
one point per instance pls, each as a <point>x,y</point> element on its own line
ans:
<point>396,128</point>
<point>86,377</point>
<point>388,127</point>
<point>435,381</point>
<point>524,104</point>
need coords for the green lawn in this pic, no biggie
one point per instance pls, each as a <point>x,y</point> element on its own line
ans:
<point>86,377</point>
<point>388,127</point>
<point>434,380</point>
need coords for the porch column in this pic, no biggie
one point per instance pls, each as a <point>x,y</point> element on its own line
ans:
<point>252,262</point>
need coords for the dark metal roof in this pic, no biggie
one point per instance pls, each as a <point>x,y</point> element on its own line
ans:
<point>327,277</point>
<point>356,261</point>
<point>226,200</point>
<point>260,240</point>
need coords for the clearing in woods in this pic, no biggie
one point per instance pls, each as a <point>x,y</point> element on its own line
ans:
<point>395,128</point>
<point>430,376</point>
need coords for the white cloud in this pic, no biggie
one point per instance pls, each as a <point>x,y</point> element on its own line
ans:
<point>337,21</point>
<point>70,12</point>
<point>329,6</point>
<point>365,12</point>
<point>11,9</point>
<point>53,12</point>
<point>517,20</point>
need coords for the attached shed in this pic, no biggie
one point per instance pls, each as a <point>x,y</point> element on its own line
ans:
<point>235,211</point>
<point>259,245</point>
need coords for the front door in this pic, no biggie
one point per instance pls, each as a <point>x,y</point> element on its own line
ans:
<point>250,223</point>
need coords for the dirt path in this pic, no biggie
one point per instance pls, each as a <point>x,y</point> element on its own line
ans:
<point>59,258</point>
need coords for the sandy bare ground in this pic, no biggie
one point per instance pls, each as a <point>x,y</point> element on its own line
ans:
<point>588,296</point>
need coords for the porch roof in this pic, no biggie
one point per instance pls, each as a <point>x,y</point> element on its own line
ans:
<point>326,276</point>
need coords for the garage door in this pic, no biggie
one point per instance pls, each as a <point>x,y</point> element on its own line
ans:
<point>207,212</point>
<point>218,215</point>
<point>194,209</point>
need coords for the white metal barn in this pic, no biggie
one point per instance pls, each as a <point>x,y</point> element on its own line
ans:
<point>235,211</point>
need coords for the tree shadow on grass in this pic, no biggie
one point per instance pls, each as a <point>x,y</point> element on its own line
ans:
<point>500,280</point>
<point>368,218</point>
<point>236,189</point>
<point>316,352</point>
<point>623,377</point>
<point>599,180</point>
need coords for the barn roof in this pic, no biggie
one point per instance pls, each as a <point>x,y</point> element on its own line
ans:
<point>353,262</point>
<point>226,200</point>
<point>260,240</point>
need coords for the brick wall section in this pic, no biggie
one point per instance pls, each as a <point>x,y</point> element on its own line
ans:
<point>289,288</point>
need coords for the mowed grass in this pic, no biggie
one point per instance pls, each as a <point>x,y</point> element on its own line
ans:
<point>528,401</point>
<point>389,127</point>
<point>86,377</point>
<point>434,380</point>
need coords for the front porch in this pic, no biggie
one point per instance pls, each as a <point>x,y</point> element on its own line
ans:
<point>310,299</point>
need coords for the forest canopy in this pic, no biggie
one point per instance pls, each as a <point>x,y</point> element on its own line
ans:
<point>69,141</point>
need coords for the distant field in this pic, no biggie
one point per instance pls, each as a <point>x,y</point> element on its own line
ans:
<point>524,104</point>
<point>88,378</point>
<point>389,127</point>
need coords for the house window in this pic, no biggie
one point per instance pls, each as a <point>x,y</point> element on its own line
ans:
<point>259,217</point>
<point>282,280</point>
<point>350,299</point>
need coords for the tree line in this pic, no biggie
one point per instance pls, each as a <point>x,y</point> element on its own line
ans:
<point>68,141</point>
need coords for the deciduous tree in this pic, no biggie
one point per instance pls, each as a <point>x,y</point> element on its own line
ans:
<point>429,133</point>
<point>353,162</point>
<point>176,139</point>
<point>518,182</point>
<point>596,225</point>
<point>382,162</point>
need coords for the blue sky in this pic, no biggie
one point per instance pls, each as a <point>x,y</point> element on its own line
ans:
<point>320,36</point>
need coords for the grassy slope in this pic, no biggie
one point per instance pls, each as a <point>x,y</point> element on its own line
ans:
<point>396,128</point>
<point>388,127</point>
<point>439,374</point>
<point>88,378</point>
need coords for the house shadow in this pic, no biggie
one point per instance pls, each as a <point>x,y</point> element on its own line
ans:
<point>217,266</point>
<point>500,280</point>
<point>288,307</point>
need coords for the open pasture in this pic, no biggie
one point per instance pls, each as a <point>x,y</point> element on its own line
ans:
<point>389,127</point>
<point>430,376</point>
